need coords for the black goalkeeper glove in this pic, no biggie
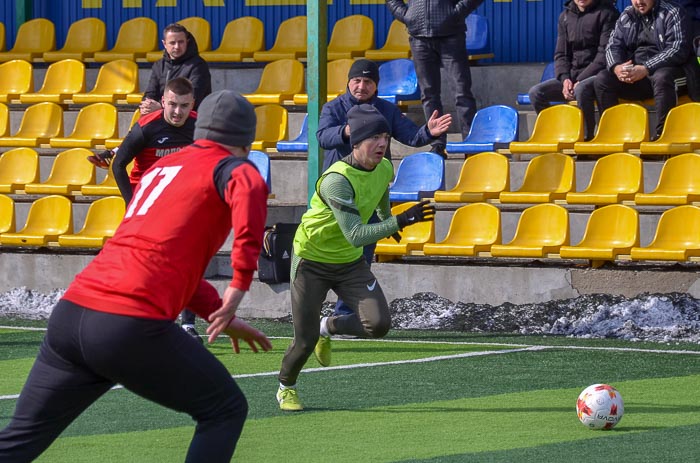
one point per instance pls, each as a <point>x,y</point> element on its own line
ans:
<point>103,159</point>
<point>424,211</point>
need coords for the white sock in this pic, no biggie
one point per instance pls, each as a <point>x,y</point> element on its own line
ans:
<point>283,387</point>
<point>324,327</point>
<point>187,325</point>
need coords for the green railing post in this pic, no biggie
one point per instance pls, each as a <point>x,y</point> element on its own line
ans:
<point>317,33</point>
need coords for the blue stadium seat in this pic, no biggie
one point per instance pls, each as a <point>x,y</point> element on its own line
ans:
<point>478,37</point>
<point>419,175</point>
<point>262,162</point>
<point>548,73</point>
<point>398,81</point>
<point>491,125</point>
<point>300,143</point>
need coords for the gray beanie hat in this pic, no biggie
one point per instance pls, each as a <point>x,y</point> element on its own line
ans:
<point>227,118</point>
<point>365,121</point>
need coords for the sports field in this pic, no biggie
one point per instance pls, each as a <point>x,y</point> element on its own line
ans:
<point>415,396</point>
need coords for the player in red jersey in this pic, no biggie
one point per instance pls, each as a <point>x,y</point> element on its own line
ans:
<point>115,323</point>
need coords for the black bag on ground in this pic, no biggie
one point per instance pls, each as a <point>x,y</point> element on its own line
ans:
<point>275,259</point>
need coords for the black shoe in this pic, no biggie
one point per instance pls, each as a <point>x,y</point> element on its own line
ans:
<point>439,149</point>
<point>192,332</point>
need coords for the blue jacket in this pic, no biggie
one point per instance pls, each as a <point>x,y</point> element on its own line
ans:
<point>334,118</point>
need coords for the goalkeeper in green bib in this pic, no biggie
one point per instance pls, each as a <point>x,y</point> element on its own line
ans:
<point>328,250</point>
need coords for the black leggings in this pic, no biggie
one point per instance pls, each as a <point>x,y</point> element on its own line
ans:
<point>85,353</point>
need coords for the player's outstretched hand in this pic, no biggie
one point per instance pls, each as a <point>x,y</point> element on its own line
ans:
<point>219,319</point>
<point>238,329</point>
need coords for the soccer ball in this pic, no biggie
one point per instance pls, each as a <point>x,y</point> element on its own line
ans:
<point>600,407</point>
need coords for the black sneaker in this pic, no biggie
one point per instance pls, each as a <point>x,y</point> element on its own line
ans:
<point>439,149</point>
<point>192,332</point>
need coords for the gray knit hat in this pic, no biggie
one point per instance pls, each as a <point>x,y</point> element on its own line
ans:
<point>227,118</point>
<point>365,121</point>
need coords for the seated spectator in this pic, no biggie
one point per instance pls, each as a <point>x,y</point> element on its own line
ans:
<point>645,55</point>
<point>583,32</point>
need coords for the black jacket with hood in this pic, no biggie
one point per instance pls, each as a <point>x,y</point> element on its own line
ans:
<point>189,65</point>
<point>581,39</point>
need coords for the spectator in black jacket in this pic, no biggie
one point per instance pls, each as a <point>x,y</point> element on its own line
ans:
<point>180,59</point>
<point>437,31</point>
<point>645,55</point>
<point>583,32</point>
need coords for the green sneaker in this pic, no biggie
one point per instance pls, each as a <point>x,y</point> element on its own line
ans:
<point>289,400</point>
<point>323,351</point>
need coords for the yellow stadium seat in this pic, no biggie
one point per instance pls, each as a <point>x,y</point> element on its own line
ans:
<point>95,124</point>
<point>18,167</point>
<point>290,41</point>
<point>681,132</point>
<point>677,236</point>
<point>85,37</point>
<point>336,81</point>
<point>622,127</point>
<point>107,187</point>
<point>7,214</point>
<point>101,221</point>
<point>70,171</point>
<point>272,126</point>
<point>4,120</point>
<point>548,177</point>
<point>61,81</point>
<point>611,230</point>
<point>48,218</point>
<point>413,237</point>
<point>483,176</point>
<point>279,82</point>
<point>135,38</point>
<point>16,78</point>
<point>615,178</point>
<point>541,231</point>
<point>474,228</point>
<point>34,37</point>
<point>115,80</point>
<point>351,37</point>
<point>200,30</point>
<point>241,38</point>
<point>396,44</point>
<point>2,36</point>
<point>40,123</point>
<point>678,183</point>
<point>556,128</point>
<point>134,98</point>
<point>111,143</point>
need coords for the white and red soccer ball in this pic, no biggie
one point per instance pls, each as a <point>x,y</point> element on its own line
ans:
<point>600,406</point>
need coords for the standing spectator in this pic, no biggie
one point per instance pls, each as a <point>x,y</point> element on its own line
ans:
<point>645,55</point>
<point>583,31</point>
<point>180,59</point>
<point>328,249</point>
<point>334,133</point>
<point>437,30</point>
<point>114,324</point>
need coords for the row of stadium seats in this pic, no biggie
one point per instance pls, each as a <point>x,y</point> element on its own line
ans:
<point>615,178</point>
<point>242,39</point>
<point>612,233</point>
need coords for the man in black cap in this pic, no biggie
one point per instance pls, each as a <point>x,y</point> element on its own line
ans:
<point>328,249</point>
<point>334,134</point>
<point>115,322</point>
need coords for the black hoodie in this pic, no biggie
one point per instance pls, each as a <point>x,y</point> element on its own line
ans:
<point>581,39</point>
<point>189,65</point>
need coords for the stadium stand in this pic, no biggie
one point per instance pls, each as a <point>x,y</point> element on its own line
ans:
<point>18,167</point>
<point>681,132</point>
<point>418,176</point>
<point>279,82</point>
<point>94,124</point>
<point>40,122</point>
<point>523,98</point>
<point>621,128</point>
<point>336,81</point>
<point>115,80</point>
<point>111,143</point>
<point>4,120</point>
<point>482,177</point>
<point>84,37</point>
<point>62,79</point>
<point>556,128</point>
<point>541,231</point>
<point>136,37</point>
<point>101,221</point>
<point>615,178</point>
<point>398,83</point>
<point>290,41</point>
<point>678,183</point>
<point>242,37</point>
<point>351,37</point>
<point>677,236</point>
<point>33,38</point>
<point>49,217</point>
<point>70,171</point>
<point>2,36</point>
<point>474,228</point>
<point>262,162</point>
<point>478,37</point>
<point>7,214</point>
<point>108,185</point>
<point>548,177</point>
<point>413,238</point>
<point>16,78</point>
<point>200,30</point>
<point>272,126</point>
<point>492,126</point>
<point>395,46</point>
<point>300,143</point>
